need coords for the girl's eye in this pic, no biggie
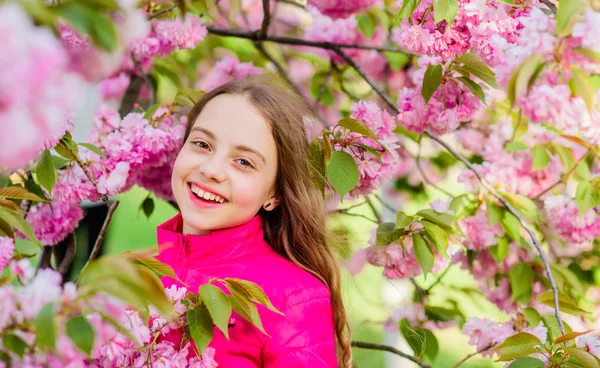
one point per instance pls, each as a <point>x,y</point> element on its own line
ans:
<point>201,144</point>
<point>245,163</point>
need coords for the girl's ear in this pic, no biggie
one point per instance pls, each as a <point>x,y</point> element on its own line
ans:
<point>271,203</point>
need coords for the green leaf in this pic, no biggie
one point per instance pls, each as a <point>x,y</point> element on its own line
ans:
<point>156,266</point>
<point>473,87</point>
<point>464,205</point>
<point>511,224</point>
<point>366,24</point>
<point>253,292</point>
<point>511,3</point>
<point>500,249</point>
<point>551,324</point>
<point>582,171</point>
<point>93,148</point>
<point>357,126</point>
<point>14,344</point>
<point>403,220</point>
<point>444,220</point>
<point>218,306</point>
<point>342,173</point>
<point>45,171</point>
<point>89,21</point>
<point>423,252</point>
<point>81,333</point>
<point>494,213</point>
<point>431,81</point>
<point>533,316</point>
<point>472,64</point>
<point>585,358</point>
<point>592,54</point>
<point>246,310</point>
<point>527,363</point>
<point>518,346</point>
<point>439,236</point>
<point>581,85</point>
<point>565,154</point>
<point>565,304</point>
<point>515,146</point>
<point>316,159</point>
<point>147,206</point>
<point>522,76</point>
<point>397,60</point>
<point>387,233</point>
<point>414,338</point>
<point>201,327</point>
<point>408,8</point>
<point>540,158</point>
<point>445,10</point>
<point>45,328</point>
<point>566,10</point>
<point>587,197</point>
<point>20,193</point>
<point>522,204</point>
<point>521,279</point>
<point>14,220</point>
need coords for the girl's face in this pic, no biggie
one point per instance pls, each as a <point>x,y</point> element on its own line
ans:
<point>226,170</point>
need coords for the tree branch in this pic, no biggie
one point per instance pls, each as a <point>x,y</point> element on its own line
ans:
<point>277,65</point>
<point>101,235</point>
<point>471,355</point>
<point>264,28</point>
<point>564,178</point>
<point>515,213</point>
<point>550,5</point>
<point>344,211</point>
<point>368,345</point>
<point>255,36</point>
<point>131,94</point>
<point>161,12</point>
<point>67,257</point>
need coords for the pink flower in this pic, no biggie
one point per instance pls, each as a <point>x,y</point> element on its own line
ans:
<point>226,69</point>
<point>484,332</point>
<point>589,343</point>
<point>44,288</point>
<point>52,222</point>
<point>7,247</point>
<point>208,358</point>
<point>341,8</point>
<point>481,234</point>
<point>37,92</point>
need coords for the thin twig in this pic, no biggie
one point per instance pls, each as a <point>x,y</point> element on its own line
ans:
<point>471,355</point>
<point>515,213</point>
<point>385,204</point>
<point>368,345</point>
<point>98,245</point>
<point>360,72</point>
<point>375,212</point>
<point>563,178</point>
<point>254,35</point>
<point>104,197</point>
<point>45,259</point>
<point>439,279</point>
<point>425,178</point>
<point>259,46</point>
<point>343,211</point>
<point>68,256</point>
<point>324,87</point>
<point>144,76</point>
<point>161,12</point>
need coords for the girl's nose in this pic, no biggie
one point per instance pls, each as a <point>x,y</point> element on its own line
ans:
<point>213,169</point>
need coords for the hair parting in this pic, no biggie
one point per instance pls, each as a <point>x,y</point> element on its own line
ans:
<point>296,228</point>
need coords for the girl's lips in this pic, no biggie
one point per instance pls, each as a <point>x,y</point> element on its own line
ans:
<point>201,202</point>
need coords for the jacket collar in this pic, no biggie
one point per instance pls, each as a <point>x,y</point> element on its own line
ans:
<point>218,245</point>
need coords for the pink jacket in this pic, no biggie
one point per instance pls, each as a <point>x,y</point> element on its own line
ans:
<point>304,337</point>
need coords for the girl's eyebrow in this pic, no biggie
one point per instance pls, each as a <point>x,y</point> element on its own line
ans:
<point>212,136</point>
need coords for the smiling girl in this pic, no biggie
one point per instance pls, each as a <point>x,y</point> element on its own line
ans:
<point>249,210</point>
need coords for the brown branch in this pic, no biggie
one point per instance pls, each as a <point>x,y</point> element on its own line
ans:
<point>278,66</point>
<point>375,212</point>
<point>87,174</point>
<point>264,28</point>
<point>161,12</point>
<point>550,5</point>
<point>45,258</point>
<point>422,172</point>
<point>255,36</point>
<point>368,345</point>
<point>131,94</point>
<point>515,213</point>
<point>64,264</point>
<point>101,235</point>
<point>144,76</point>
<point>471,355</point>
<point>344,211</point>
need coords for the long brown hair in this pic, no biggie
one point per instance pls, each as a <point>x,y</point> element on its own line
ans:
<point>296,229</point>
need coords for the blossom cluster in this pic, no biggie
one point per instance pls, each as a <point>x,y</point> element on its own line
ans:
<point>21,305</point>
<point>38,91</point>
<point>373,169</point>
<point>225,70</point>
<point>135,150</point>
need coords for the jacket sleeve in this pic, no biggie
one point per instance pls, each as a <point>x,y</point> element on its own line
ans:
<point>305,336</point>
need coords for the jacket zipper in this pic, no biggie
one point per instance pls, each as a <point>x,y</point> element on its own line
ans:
<point>184,256</point>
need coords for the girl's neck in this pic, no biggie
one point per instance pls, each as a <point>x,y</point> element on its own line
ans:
<point>186,229</point>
